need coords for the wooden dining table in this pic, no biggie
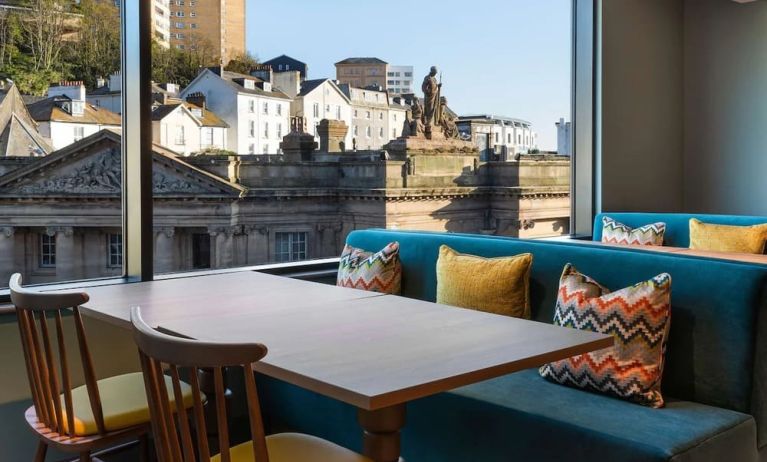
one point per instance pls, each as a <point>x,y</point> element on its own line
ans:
<point>375,352</point>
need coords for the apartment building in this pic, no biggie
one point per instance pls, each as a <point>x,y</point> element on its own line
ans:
<point>362,72</point>
<point>257,114</point>
<point>221,23</point>
<point>399,80</point>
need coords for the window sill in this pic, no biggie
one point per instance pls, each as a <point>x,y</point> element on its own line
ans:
<point>307,270</point>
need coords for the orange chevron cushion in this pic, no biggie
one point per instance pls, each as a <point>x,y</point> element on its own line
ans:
<point>374,271</point>
<point>614,232</point>
<point>494,285</point>
<point>638,317</point>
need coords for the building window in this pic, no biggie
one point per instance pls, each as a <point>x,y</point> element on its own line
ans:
<point>327,109</point>
<point>201,251</point>
<point>252,106</point>
<point>394,133</point>
<point>179,25</point>
<point>316,110</point>
<point>115,250</point>
<point>47,251</point>
<point>79,133</point>
<point>279,109</point>
<point>290,246</point>
<point>208,137</point>
<point>496,137</point>
<point>355,113</point>
<point>193,25</point>
<point>252,129</point>
<point>251,148</point>
<point>266,108</point>
<point>279,131</point>
<point>367,115</point>
<point>266,149</point>
<point>338,112</point>
<point>356,131</point>
<point>266,129</point>
<point>180,138</point>
<point>368,132</point>
<point>381,132</point>
<point>380,115</point>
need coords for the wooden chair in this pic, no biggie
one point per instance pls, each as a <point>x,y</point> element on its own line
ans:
<point>173,437</point>
<point>99,415</point>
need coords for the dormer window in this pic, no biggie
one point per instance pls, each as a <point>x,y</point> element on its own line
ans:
<point>197,112</point>
<point>249,84</point>
<point>78,108</point>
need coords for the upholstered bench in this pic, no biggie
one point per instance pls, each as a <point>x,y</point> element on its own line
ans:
<point>715,379</point>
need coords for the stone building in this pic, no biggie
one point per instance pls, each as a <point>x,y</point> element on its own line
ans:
<point>60,214</point>
<point>362,72</point>
<point>376,118</point>
<point>19,134</point>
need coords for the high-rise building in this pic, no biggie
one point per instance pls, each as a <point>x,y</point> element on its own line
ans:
<point>219,24</point>
<point>161,22</point>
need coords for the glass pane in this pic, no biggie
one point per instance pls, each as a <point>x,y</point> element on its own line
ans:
<point>301,138</point>
<point>60,146</point>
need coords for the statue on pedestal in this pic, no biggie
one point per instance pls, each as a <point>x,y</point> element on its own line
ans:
<point>447,122</point>
<point>431,101</point>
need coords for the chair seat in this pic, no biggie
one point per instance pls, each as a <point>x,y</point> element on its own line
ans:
<point>295,447</point>
<point>123,402</point>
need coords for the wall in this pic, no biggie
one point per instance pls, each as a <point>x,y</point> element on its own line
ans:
<point>725,107</point>
<point>642,105</point>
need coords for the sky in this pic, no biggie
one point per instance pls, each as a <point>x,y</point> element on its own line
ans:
<point>501,57</point>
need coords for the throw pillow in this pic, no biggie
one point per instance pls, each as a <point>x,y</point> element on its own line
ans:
<point>638,317</point>
<point>374,271</point>
<point>494,285</point>
<point>614,232</point>
<point>727,238</point>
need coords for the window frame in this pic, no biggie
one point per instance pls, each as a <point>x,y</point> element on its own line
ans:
<point>48,241</point>
<point>137,195</point>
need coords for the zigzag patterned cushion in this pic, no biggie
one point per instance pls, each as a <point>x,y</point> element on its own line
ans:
<point>374,271</point>
<point>618,233</point>
<point>638,317</point>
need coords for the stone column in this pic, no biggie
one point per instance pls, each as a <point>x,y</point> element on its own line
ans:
<point>221,240</point>
<point>164,261</point>
<point>332,135</point>
<point>7,253</point>
<point>67,263</point>
<point>258,245</point>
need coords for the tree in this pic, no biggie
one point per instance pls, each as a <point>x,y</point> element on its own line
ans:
<point>10,34</point>
<point>242,63</point>
<point>182,66</point>
<point>43,29</point>
<point>96,52</point>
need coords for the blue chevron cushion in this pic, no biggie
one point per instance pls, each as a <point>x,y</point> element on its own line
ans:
<point>638,317</point>
<point>374,271</point>
<point>614,232</point>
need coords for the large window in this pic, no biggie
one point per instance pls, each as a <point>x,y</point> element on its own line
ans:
<point>47,251</point>
<point>290,246</point>
<point>115,250</point>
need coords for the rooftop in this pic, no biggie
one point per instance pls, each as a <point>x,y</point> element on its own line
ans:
<point>49,110</point>
<point>362,61</point>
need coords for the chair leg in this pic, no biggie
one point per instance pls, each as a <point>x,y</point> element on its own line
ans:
<point>143,447</point>
<point>42,450</point>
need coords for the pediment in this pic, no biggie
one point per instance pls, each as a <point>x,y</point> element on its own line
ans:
<point>94,169</point>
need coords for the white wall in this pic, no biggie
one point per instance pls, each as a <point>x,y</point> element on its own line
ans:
<point>323,96</point>
<point>725,78</point>
<point>272,123</point>
<point>62,134</point>
<point>109,102</point>
<point>165,133</point>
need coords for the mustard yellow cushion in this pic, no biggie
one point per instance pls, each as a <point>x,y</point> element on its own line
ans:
<point>726,238</point>
<point>123,402</point>
<point>294,447</point>
<point>494,285</point>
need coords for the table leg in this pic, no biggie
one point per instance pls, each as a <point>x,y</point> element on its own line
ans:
<point>382,432</point>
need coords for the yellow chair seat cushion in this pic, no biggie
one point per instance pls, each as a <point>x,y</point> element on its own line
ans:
<point>494,285</point>
<point>123,402</point>
<point>726,238</point>
<point>295,447</point>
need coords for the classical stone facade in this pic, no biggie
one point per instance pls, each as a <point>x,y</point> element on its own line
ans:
<point>61,214</point>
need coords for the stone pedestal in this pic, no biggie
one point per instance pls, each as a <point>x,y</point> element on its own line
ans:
<point>400,148</point>
<point>332,134</point>
<point>298,145</point>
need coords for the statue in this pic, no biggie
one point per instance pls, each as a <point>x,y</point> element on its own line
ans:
<point>431,97</point>
<point>416,118</point>
<point>449,127</point>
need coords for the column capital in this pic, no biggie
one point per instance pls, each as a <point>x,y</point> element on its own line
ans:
<point>169,231</point>
<point>67,231</point>
<point>7,231</point>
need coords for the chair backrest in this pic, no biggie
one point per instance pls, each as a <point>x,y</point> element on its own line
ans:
<point>173,436</point>
<point>49,376</point>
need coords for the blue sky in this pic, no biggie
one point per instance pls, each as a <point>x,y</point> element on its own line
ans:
<point>504,57</point>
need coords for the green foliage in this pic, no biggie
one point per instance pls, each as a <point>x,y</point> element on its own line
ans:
<point>97,50</point>
<point>243,63</point>
<point>179,66</point>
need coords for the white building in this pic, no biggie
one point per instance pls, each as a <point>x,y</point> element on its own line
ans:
<point>322,99</point>
<point>108,93</point>
<point>65,117</point>
<point>564,138</point>
<point>258,115</point>
<point>399,80</point>
<point>161,22</point>
<point>188,128</point>
<point>505,137</point>
<point>375,120</point>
